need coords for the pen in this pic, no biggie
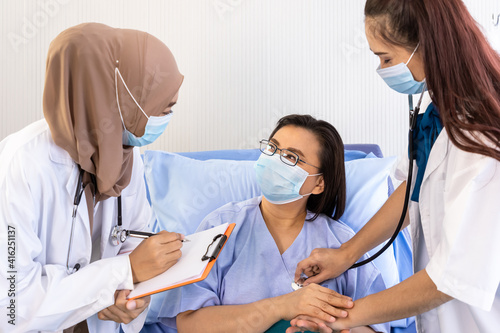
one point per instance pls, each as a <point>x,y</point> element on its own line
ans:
<point>142,234</point>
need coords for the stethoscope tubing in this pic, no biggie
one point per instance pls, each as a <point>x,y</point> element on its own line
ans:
<point>413,122</point>
<point>76,202</point>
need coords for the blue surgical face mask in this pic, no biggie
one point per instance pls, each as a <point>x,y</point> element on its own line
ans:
<point>400,78</point>
<point>155,126</point>
<point>280,183</point>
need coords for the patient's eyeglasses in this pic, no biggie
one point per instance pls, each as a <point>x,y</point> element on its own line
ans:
<point>286,156</point>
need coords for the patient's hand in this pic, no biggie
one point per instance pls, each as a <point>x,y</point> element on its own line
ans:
<point>315,301</point>
<point>124,311</point>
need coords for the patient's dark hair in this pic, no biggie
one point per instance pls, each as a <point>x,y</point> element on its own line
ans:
<point>332,201</point>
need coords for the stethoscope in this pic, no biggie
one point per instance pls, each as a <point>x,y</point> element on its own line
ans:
<point>413,124</point>
<point>118,234</point>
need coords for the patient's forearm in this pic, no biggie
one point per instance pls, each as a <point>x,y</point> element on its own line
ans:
<point>253,317</point>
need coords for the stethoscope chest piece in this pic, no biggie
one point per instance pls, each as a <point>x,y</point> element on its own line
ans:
<point>118,235</point>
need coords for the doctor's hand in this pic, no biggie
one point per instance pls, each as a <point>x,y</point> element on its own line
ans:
<point>155,255</point>
<point>323,264</point>
<point>306,323</point>
<point>315,301</point>
<point>124,311</point>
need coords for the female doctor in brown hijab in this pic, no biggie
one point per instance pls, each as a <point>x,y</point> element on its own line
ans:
<point>106,90</point>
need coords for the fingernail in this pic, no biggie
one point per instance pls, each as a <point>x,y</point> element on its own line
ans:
<point>332,319</point>
<point>350,303</point>
<point>131,305</point>
<point>344,313</point>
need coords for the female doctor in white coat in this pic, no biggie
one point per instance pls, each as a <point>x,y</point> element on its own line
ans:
<point>106,90</point>
<point>455,195</point>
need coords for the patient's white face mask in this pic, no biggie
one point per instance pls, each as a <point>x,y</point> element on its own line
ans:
<point>280,183</point>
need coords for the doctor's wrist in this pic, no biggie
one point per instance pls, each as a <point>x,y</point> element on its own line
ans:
<point>135,278</point>
<point>351,252</point>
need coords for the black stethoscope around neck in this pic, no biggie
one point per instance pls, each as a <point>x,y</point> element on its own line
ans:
<point>413,124</point>
<point>118,234</point>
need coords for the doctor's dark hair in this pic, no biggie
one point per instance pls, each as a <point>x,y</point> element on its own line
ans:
<point>462,70</point>
<point>332,201</point>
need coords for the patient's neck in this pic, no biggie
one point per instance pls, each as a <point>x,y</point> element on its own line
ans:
<point>284,222</point>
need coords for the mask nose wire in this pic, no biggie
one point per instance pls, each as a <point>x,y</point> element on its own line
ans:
<point>117,73</point>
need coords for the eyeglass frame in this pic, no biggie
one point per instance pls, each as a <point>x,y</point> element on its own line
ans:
<point>281,150</point>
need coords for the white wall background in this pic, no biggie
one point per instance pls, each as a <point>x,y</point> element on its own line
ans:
<point>246,63</point>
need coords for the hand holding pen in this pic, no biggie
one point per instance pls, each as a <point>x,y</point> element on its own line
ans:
<point>154,255</point>
<point>143,234</point>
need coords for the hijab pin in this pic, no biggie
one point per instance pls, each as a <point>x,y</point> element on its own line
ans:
<point>117,63</point>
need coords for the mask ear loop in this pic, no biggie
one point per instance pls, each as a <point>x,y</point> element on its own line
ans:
<point>117,99</point>
<point>414,51</point>
<point>117,73</point>
<point>315,174</point>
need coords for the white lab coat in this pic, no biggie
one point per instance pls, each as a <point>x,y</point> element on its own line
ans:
<point>37,184</point>
<point>456,237</point>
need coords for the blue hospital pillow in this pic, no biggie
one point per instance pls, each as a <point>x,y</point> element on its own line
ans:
<point>183,190</point>
<point>367,189</point>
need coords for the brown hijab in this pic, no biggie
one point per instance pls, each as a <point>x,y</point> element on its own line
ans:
<point>79,98</point>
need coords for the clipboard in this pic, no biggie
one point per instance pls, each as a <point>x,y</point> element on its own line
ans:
<point>198,258</point>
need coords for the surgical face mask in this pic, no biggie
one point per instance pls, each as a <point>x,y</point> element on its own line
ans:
<point>400,78</point>
<point>155,126</point>
<point>280,183</point>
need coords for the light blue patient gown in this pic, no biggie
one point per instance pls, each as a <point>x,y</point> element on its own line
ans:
<point>250,266</point>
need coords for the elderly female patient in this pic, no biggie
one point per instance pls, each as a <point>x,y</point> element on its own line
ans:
<point>301,174</point>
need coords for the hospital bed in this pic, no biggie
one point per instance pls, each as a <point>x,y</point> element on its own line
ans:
<point>184,187</point>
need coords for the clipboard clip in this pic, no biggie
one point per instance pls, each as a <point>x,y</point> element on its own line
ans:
<point>216,250</point>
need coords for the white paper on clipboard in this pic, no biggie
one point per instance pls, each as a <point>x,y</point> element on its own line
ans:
<point>189,267</point>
